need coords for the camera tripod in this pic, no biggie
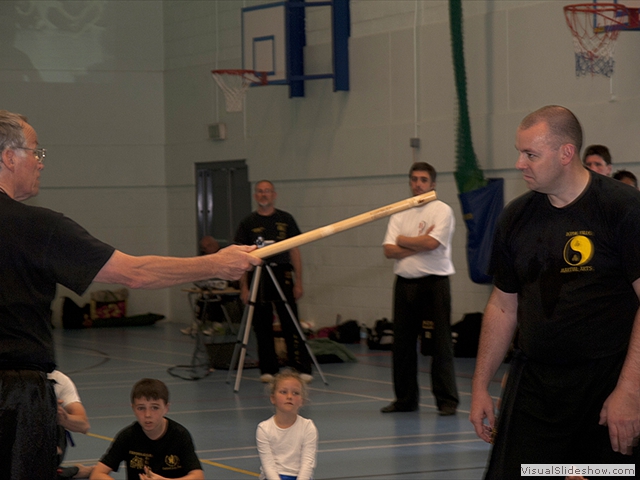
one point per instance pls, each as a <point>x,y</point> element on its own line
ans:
<point>245,326</point>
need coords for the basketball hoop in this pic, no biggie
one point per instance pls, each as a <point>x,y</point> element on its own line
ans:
<point>235,83</point>
<point>595,28</point>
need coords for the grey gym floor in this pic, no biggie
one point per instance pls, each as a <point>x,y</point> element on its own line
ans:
<point>356,440</point>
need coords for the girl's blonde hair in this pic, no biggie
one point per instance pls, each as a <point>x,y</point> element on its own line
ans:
<point>283,375</point>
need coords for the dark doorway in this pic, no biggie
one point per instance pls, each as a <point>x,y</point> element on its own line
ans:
<point>223,198</point>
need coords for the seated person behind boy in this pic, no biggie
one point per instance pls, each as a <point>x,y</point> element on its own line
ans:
<point>154,447</point>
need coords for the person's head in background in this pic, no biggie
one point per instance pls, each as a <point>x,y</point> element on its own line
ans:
<point>598,159</point>
<point>625,176</point>
<point>208,245</point>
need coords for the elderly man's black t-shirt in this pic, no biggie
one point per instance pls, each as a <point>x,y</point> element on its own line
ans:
<point>39,248</point>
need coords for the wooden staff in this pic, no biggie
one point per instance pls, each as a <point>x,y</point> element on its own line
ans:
<point>342,225</point>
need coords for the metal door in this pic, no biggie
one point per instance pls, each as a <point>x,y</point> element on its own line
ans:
<point>223,198</point>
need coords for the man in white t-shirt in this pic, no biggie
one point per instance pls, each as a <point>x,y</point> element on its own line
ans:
<point>419,239</point>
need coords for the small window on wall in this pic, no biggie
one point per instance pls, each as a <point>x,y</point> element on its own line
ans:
<point>223,198</point>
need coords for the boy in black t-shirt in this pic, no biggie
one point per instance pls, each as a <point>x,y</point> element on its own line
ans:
<point>154,446</point>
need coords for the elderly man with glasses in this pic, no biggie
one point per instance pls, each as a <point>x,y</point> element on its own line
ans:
<point>40,248</point>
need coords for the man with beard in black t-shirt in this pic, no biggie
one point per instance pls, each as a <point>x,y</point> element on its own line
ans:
<point>268,223</point>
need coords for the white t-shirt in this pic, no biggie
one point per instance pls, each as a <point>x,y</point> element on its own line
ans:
<point>414,222</point>
<point>64,388</point>
<point>287,451</point>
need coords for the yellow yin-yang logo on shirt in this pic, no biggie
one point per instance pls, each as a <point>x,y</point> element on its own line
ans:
<point>578,251</point>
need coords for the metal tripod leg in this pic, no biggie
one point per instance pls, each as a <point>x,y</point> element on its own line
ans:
<point>295,322</point>
<point>238,346</point>
<point>245,330</point>
<point>245,327</point>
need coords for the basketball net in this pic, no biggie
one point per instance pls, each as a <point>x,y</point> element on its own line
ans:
<point>235,83</point>
<point>595,28</point>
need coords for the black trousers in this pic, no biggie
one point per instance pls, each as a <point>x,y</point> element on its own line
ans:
<point>416,300</point>
<point>28,428</point>
<point>267,299</point>
<point>550,415</point>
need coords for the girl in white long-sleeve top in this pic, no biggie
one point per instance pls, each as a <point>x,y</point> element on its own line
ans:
<point>287,443</point>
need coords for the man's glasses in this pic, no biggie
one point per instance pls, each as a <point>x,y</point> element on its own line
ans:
<point>39,153</point>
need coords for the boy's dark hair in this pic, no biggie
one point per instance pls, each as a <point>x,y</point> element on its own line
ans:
<point>599,150</point>
<point>423,167</point>
<point>151,389</point>
<point>620,174</point>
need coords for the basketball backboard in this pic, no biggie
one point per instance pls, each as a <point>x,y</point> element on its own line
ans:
<point>627,3</point>
<point>274,37</point>
<point>264,41</point>
<point>631,22</point>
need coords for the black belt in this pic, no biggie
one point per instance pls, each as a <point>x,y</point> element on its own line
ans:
<point>429,276</point>
<point>24,366</point>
